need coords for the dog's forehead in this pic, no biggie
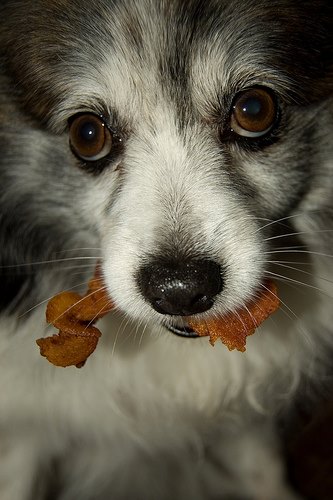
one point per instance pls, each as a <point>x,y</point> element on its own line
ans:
<point>136,57</point>
<point>146,56</point>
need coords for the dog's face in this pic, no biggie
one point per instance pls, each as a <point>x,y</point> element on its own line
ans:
<point>175,131</point>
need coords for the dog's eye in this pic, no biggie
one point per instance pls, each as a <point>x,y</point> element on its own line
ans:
<point>89,137</point>
<point>254,113</point>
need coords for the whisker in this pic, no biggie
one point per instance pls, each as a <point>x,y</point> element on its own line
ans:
<point>308,252</point>
<point>303,272</point>
<point>102,288</point>
<point>120,329</point>
<point>137,328</point>
<point>49,298</point>
<point>277,221</point>
<point>130,332</point>
<point>255,324</point>
<point>78,266</point>
<point>293,216</point>
<point>100,311</point>
<point>44,262</point>
<point>286,262</point>
<point>289,310</point>
<point>282,302</point>
<point>126,320</point>
<point>79,249</point>
<point>297,233</point>
<point>143,331</point>
<point>286,248</point>
<point>291,280</point>
<point>241,319</point>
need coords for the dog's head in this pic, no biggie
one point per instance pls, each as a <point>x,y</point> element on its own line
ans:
<point>176,132</point>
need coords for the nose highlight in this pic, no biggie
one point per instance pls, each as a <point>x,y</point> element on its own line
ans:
<point>182,288</point>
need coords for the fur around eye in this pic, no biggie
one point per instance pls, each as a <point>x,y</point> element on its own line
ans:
<point>254,112</point>
<point>89,137</point>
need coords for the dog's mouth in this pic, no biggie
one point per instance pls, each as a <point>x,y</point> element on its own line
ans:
<point>184,331</point>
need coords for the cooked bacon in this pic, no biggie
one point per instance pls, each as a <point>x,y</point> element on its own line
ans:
<point>74,316</point>
<point>233,328</point>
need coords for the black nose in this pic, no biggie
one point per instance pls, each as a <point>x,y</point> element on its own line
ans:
<point>181,288</point>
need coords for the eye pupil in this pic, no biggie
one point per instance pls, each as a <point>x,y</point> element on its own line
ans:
<point>88,131</point>
<point>252,107</point>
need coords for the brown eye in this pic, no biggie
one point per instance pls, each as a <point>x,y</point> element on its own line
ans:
<point>254,113</point>
<point>89,137</point>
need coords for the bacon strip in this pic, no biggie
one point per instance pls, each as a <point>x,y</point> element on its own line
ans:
<point>74,316</point>
<point>233,329</point>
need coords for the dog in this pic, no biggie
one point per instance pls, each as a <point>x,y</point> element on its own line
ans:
<point>186,147</point>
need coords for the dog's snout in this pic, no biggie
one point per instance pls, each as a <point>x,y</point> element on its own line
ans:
<point>182,288</point>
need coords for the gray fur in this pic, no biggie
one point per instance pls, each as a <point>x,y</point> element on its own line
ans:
<point>163,417</point>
